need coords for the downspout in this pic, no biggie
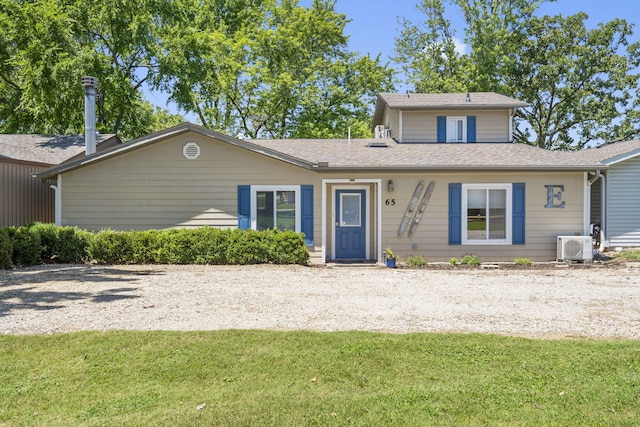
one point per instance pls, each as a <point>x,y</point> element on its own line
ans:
<point>58,201</point>
<point>512,112</point>
<point>591,181</point>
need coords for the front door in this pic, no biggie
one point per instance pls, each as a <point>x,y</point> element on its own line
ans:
<point>350,224</point>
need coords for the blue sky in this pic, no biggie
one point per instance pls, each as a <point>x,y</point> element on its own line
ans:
<point>374,23</point>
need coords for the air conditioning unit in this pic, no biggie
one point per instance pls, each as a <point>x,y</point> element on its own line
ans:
<point>575,248</point>
<point>380,131</point>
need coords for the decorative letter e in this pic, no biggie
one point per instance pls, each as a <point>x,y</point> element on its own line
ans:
<point>551,194</point>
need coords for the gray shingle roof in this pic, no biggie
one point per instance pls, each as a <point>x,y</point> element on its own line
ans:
<point>610,153</point>
<point>426,101</point>
<point>358,155</point>
<point>443,101</point>
<point>340,154</point>
<point>46,149</point>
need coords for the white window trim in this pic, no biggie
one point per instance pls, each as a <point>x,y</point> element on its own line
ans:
<point>254,205</point>
<point>464,129</point>
<point>508,214</point>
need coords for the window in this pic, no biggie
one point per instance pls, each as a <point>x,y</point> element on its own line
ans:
<point>457,129</point>
<point>486,213</point>
<point>275,207</point>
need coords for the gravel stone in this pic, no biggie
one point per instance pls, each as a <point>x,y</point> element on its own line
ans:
<point>541,303</point>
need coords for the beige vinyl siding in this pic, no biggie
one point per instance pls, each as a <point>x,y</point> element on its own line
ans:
<point>156,187</point>
<point>390,119</point>
<point>23,198</point>
<point>421,126</point>
<point>623,204</point>
<point>431,238</point>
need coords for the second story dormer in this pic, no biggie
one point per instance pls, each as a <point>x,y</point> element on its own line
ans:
<point>485,117</point>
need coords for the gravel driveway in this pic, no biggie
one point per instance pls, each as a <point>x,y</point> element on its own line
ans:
<point>549,303</point>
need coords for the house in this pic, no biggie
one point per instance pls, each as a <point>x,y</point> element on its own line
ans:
<point>441,179</point>
<point>23,198</point>
<point>615,197</point>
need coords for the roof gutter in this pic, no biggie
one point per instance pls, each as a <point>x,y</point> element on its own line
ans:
<point>324,167</point>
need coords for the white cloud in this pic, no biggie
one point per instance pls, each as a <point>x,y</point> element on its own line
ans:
<point>461,47</point>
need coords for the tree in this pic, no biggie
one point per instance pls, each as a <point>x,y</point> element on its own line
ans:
<point>38,67</point>
<point>257,67</point>
<point>48,45</point>
<point>427,52</point>
<point>273,69</point>
<point>580,83</point>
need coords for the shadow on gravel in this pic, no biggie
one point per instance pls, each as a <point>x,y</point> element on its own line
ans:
<point>28,299</point>
<point>73,273</point>
<point>14,296</point>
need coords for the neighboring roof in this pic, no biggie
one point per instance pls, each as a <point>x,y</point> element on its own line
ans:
<point>45,149</point>
<point>610,153</point>
<point>443,101</point>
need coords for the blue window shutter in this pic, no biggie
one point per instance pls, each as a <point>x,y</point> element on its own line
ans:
<point>306,213</point>
<point>442,129</point>
<point>244,207</point>
<point>518,213</point>
<point>471,128</point>
<point>455,214</point>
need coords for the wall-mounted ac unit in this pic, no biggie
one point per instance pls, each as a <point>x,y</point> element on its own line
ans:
<point>575,248</point>
<point>379,133</point>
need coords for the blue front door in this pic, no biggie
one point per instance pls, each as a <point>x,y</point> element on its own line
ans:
<point>350,224</point>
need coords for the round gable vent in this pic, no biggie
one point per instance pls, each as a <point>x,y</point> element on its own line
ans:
<point>191,150</point>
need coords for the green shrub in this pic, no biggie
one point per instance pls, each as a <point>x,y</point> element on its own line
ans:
<point>49,239</point>
<point>145,246</point>
<point>112,247</point>
<point>247,247</point>
<point>26,246</point>
<point>470,260</point>
<point>523,261</point>
<point>72,245</point>
<point>416,261</point>
<point>453,261</point>
<point>6,248</point>
<point>286,247</point>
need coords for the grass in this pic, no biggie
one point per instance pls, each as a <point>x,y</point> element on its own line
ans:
<point>631,254</point>
<point>249,378</point>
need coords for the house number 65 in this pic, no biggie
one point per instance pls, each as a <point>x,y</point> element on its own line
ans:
<point>390,202</point>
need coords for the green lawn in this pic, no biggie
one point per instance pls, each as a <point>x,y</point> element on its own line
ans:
<point>242,378</point>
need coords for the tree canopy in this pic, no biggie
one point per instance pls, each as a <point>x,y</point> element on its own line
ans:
<point>581,83</point>
<point>254,67</point>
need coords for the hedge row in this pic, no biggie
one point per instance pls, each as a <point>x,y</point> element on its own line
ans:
<point>37,243</point>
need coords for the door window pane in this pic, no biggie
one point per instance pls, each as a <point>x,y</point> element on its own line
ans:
<point>350,210</point>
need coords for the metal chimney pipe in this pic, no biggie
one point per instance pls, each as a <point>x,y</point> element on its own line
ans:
<point>89,84</point>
